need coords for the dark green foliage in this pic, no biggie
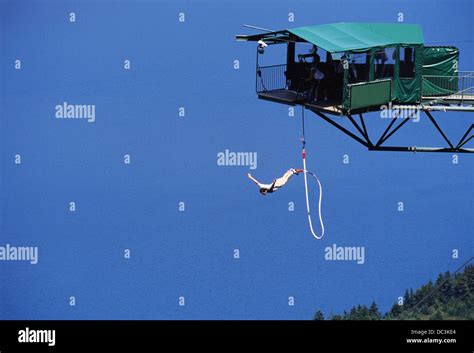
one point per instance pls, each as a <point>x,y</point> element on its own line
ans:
<point>361,312</point>
<point>319,315</point>
<point>451,297</point>
<point>374,312</point>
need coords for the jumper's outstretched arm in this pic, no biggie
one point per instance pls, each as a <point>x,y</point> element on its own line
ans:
<point>253,179</point>
<point>259,184</point>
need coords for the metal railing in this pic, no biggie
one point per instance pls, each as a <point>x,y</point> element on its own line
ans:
<point>458,88</point>
<point>270,78</point>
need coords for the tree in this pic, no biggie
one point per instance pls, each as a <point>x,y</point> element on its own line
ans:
<point>364,313</point>
<point>374,312</point>
<point>406,298</point>
<point>319,315</point>
<point>345,315</point>
<point>437,315</point>
<point>469,271</point>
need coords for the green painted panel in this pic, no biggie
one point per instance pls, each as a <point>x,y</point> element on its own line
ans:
<point>370,94</point>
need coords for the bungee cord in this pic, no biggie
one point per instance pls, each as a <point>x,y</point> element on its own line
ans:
<point>303,155</point>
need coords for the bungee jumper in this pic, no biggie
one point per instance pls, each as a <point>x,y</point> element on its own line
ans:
<point>276,183</point>
<point>280,182</point>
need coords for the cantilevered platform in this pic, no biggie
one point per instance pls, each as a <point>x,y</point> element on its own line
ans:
<point>357,77</point>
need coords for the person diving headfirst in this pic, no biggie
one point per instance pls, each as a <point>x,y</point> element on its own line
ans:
<point>276,183</point>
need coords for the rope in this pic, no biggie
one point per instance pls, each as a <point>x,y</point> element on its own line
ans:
<point>303,154</point>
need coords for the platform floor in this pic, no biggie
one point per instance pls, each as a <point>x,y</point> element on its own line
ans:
<point>283,95</point>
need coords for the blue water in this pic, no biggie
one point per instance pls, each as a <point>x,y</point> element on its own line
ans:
<point>174,159</point>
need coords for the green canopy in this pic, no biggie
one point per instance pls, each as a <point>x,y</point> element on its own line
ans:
<point>405,47</point>
<point>341,37</point>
